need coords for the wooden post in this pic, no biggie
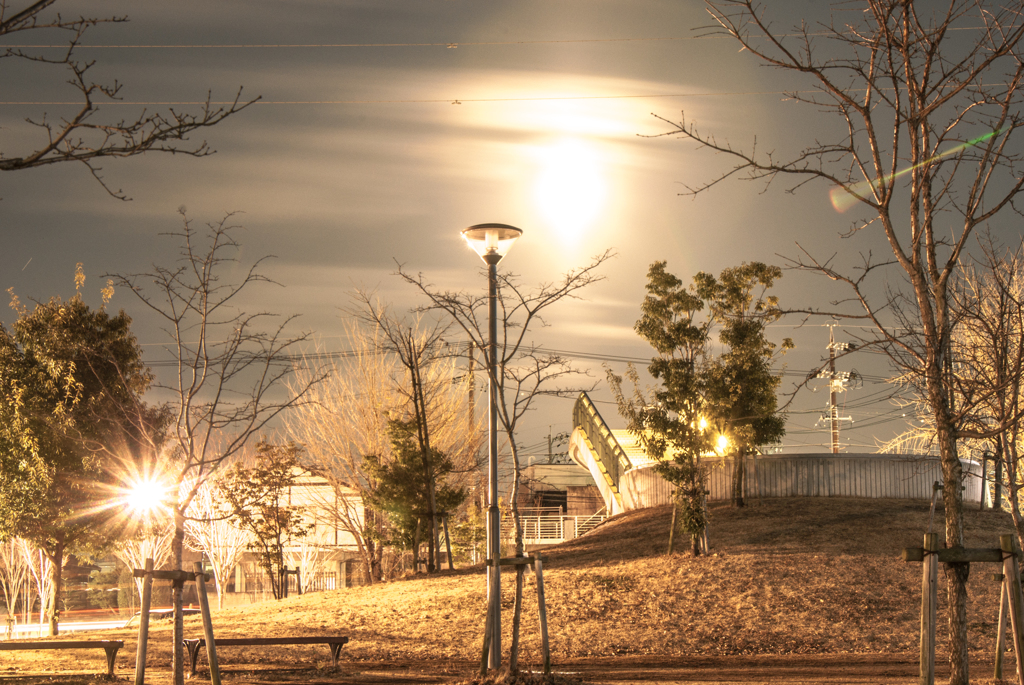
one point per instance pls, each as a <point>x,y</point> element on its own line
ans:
<point>672,530</point>
<point>416,548</point>
<point>997,504</point>
<point>147,598</point>
<point>538,568</point>
<point>448,543</point>
<point>929,600</point>
<point>513,655</point>
<point>1011,580</point>
<point>984,483</point>
<point>1001,628</point>
<point>204,608</point>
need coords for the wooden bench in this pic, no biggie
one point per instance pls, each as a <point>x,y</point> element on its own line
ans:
<point>109,646</point>
<point>335,643</point>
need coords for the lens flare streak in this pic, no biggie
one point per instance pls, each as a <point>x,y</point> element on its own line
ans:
<point>844,197</point>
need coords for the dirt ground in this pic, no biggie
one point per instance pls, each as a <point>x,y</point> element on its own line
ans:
<point>796,591</point>
<point>878,669</point>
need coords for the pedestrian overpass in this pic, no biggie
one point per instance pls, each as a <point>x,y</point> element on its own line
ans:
<point>627,479</point>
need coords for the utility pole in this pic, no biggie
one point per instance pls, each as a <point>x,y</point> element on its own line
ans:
<point>837,383</point>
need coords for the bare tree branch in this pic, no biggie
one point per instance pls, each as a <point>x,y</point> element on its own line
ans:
<point>81,137</point>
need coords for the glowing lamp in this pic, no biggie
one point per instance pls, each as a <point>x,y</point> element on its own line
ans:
<point>723,442</point>
<point>491,241</point>
<point>145,496</point>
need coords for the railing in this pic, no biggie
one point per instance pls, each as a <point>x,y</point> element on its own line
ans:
<point>607,449</point>
<point>591,522</point>
<point>552,529</point>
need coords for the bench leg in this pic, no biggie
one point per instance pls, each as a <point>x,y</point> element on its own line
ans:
<point>192,647</point>
<point>111,651</point>
<point>336,652</point>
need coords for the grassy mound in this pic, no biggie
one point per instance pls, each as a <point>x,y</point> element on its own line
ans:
<point>785,576</point>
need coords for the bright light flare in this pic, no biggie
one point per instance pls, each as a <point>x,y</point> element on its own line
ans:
<point>721,444</point>
<point>570,190</point>
<point>146,496</point>
<point>845,197</point>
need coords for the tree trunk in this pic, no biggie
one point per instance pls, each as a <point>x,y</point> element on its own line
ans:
<point>517,617</point>
<point>177,651</point>
<point>56,583</point>
<point>1013,486</point>
<point>738,477</point>
<point>952,499</point>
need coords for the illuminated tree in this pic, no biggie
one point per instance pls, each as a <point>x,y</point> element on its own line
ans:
<point>85,136</point>
<point>404,489</point>
<point>926,150</point>
<point>210,529</point>
<point>986,374</point>
<point>14,575</point>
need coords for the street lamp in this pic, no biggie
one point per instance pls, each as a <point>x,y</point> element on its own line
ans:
<point>492,242</point>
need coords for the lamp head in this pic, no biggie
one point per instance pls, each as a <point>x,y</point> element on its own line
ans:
<point>491,241</point>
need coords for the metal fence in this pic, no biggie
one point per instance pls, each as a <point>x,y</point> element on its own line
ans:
<point>551,529</point>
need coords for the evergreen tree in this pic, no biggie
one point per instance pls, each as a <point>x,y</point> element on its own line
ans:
<point>405,481</point>
<point>703,396</point>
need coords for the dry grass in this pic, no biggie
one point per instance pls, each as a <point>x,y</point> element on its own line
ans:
<point>794,576</point>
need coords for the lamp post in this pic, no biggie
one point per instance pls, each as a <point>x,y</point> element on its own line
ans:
<point>492,242</point>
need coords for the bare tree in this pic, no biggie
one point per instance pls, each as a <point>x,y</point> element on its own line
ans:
<point>40,569</point>
<point>987,369</point>
<point>347,418</point>
<point>13,577</point>
<point>988,362</point>
<point>419,347</point>
<point>84,136</point>
<point>209,529</point>
<point>230,373</point>
<point>524,371</point>
<point>927,152</point>
<point>152,543</point>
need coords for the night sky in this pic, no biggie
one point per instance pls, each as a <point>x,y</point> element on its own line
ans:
<point>386,127</point>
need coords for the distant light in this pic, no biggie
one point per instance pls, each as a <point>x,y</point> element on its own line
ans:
<point>722,443</point>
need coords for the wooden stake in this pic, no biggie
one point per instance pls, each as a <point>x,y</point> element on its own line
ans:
<point>1011,580</point>
<point>929,600</point>
<point>513,656</point>
<point>147,598</point>
<point>1001,629</point>
<point>204,608</point>
<point>447,543</point>
<point>672,530</point>
<point>538,568</point>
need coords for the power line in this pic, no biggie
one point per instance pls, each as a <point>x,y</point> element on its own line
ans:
<point>447,45</point>
<point>424,101</point>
